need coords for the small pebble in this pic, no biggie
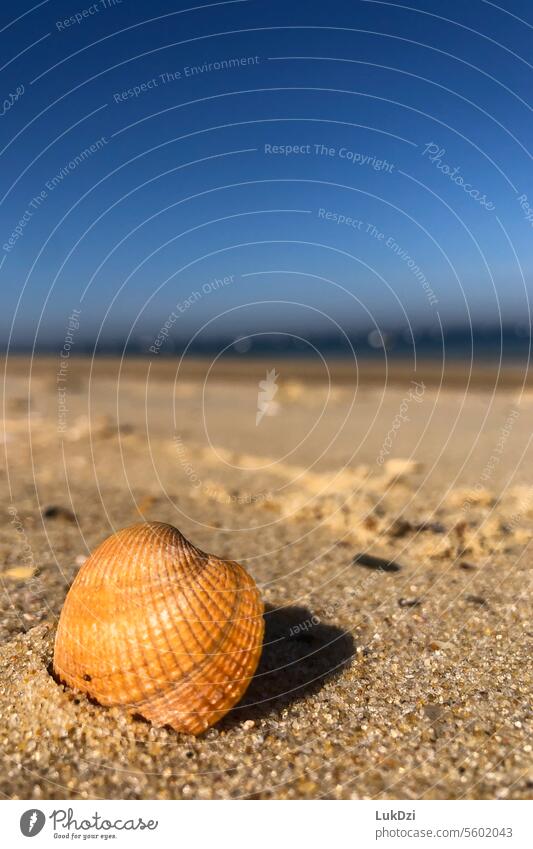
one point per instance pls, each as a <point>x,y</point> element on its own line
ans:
<point>476,599</point>
<point>19,573</point>
<point>400,528</point>
<point>57,512</point>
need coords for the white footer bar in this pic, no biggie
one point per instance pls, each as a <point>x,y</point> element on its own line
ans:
<point>266,825</point>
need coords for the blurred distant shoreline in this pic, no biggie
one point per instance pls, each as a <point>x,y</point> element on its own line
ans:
<point>508,342</point>
<point>483,375</point>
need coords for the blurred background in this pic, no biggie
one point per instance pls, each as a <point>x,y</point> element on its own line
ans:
<point>250,178</point>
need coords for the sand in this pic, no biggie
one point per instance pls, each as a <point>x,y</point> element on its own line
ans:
<point>387,523</point>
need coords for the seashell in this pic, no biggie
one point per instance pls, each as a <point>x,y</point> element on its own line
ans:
<point>155,625</point>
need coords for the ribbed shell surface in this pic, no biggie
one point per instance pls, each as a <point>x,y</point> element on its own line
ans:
<point>155,625</point>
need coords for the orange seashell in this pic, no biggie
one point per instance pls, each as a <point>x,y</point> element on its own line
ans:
<point>157,626</point>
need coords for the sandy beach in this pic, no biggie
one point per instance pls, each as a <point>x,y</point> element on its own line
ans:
<point>386,517</point>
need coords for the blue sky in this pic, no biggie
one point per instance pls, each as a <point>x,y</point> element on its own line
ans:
<point>343,165</point>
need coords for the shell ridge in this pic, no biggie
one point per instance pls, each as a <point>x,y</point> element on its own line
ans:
<point>174,694</point>
<point>132,666</point>
<point>146,621</point>
<point>239,590</point>
<point>174,700</point>
<point>175,597</point>
<point>185,676</point>
<point>227,633</point>
<point>186,619</point>
<point>127,663</point>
